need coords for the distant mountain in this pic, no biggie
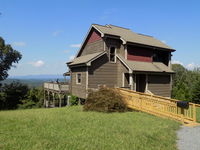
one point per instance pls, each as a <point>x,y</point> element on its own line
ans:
<point>34,80</point>
<point>42,77</point>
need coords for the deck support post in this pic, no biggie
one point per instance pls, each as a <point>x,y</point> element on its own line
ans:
<point>59,99</point>
<point>47,103</point>
<point>68,100</point>
<point>79,101</point>
<point>53,99</point>
<point>44,99</point>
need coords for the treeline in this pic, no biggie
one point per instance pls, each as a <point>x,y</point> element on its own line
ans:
<point>17,95</point>
<point>186,84</point>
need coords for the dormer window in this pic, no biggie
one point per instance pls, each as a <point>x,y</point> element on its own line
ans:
<point>112,54</point>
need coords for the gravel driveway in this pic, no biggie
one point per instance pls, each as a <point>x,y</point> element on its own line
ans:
<point>189,138</point>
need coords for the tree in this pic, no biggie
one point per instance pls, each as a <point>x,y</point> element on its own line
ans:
<point>186,83</point>
<point>196,93</point>
<point>8,56</point>
<point>12,94</point>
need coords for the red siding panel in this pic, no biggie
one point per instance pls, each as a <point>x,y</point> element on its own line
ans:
<point>94,36</point>
<point>139,54</point>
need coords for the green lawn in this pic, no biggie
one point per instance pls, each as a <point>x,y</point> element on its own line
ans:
<point>71,129</point>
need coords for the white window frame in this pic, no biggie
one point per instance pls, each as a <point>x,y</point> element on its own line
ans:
<point>115,54</point>
<point>77,78</point>
<point>123,77</point>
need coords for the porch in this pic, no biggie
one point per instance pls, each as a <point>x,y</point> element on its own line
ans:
<point>148,82</point>
<point>55,94</point>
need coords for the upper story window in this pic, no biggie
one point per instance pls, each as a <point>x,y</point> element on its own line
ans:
<point>161,56</point>
<point>78,78</point>
<point>112,54</point>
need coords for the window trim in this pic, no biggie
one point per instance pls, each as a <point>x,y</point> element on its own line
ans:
<point>77,78</point>
<point>115,54</point>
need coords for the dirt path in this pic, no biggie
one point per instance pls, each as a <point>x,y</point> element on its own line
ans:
<point>189,138</point>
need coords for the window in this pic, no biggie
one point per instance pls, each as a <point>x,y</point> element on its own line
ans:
<point>112,54</point>
<point>78,78</point>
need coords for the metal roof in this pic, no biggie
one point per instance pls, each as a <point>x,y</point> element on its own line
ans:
<point>85,59</point>
<point>127,35</point>
<point>147,66</point>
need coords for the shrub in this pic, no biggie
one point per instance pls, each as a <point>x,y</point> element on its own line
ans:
<point>27,104</point>
<point>105,100</point>
<point>73,100</point>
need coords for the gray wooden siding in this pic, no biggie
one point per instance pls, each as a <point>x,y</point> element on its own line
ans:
<point>117,43</point>
<point>94,47</point>
<point>102,72</point>
<point>78,90</point>
<point>121,70</point>
<point>160,85</point>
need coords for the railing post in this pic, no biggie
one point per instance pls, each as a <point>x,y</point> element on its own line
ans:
<point>194,113</point>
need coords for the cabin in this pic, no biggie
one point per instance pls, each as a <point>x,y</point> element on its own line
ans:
<point>114,56</point>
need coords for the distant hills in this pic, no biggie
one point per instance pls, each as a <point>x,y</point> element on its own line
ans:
<point>43,76</point>
<point>33,80</point>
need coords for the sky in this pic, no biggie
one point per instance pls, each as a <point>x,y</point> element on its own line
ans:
<point>48,33</point>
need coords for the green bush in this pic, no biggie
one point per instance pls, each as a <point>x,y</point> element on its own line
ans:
<point>105,100</point>
<point>73,100</point>
<point>27,104</point>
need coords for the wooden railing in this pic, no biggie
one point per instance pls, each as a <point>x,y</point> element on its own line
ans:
<point>61,86</point>
<point>160,106</point>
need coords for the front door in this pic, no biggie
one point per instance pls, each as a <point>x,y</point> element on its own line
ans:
<point>140,82</point>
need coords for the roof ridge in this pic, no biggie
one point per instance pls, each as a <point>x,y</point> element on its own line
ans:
<point>98,24</point>
<point>118,26</point>
<point>144,34</point>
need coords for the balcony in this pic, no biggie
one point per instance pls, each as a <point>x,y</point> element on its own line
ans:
<point>61,87</point>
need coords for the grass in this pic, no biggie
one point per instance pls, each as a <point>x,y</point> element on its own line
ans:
<point>71,128</point>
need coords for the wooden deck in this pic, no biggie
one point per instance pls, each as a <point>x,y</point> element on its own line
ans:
<point>59,87</point>
<point>54,90</point>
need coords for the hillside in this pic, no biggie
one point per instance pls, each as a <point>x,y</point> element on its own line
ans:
<point>71,128</point>
<point>31,82</point>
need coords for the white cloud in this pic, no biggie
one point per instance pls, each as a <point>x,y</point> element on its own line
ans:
<point>75,45</point>
<point>38,63</point>
<point>192,66</point>
<point>56,33</point>
<point>71,57</point>
<point>189,66</point>
<point>19,44</point>
<point>177,62</point>
<point>164,41</point>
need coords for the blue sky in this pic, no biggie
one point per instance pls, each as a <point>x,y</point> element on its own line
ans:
<point>49,32</point>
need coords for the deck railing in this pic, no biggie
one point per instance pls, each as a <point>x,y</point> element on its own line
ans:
<point>61,86</point>
<point>160,106</point>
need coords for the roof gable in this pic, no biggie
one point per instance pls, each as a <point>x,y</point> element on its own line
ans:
<point>92,36</point>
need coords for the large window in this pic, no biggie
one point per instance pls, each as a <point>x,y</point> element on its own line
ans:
<point>112,54</point>
<point>78,78</point>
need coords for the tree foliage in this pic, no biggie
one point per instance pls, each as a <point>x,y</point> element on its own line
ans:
<point>8,56</point>
<point>11,95</point>
<point>18,95</point>
<point>186,83</point>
